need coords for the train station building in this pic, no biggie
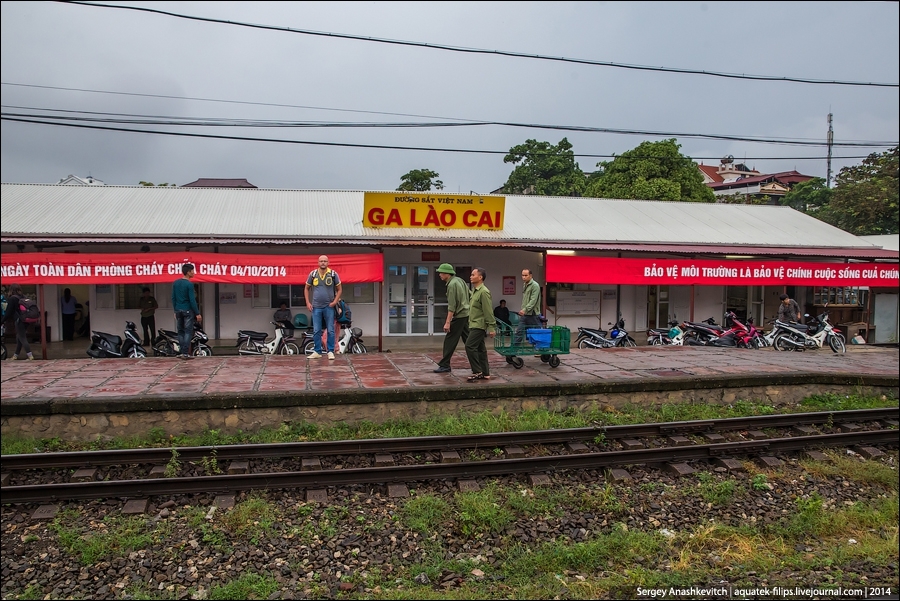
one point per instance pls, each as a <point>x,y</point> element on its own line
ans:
<point>648,261</point>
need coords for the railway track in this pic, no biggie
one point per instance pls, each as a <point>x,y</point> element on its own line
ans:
<point>582,448</point>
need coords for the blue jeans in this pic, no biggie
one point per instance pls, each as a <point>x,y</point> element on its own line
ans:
<point>320,315</point>
<point>185,321</point>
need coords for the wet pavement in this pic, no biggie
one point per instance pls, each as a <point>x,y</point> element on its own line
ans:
<point>84,378</point>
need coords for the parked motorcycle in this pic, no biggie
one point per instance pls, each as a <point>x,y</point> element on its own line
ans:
<point>768,338</point>
<point>700,333</point>
<point>709,333</point>
<point>757,339</point>
<point>616,336</point>
<point>167,344</point>
<point>674,336</point>
<point>794,336</point>
<point>254,343</point>
<point>110,346</point>
<point>349,341</point>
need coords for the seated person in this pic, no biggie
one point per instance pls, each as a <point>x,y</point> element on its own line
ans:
<point>501,312</point>
<point>283,314</point>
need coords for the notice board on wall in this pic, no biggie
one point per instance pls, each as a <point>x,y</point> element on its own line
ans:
<point>578,302</point>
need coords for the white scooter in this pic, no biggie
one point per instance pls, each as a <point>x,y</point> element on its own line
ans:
<point>351,340</point>
<point>793,336</point>
<point>348,341</point>
<point>254,343</point>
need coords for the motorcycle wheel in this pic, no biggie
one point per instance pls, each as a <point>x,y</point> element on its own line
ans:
<point>656,342</point>
<point>135,353</point>
<point>3,352</point>
<point>247,349</point>
<point>290,348</point>
<point>837,345</point>
<point>309,348</point>
<point>779,343</point>
<point>583,343</point>
<point>358,348</point>
<point>203,351</point>
<point>628,342</point>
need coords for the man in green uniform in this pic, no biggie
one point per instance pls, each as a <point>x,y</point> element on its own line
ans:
<point>457,324</point>
<point>530,314</point>
<point>481,324</point>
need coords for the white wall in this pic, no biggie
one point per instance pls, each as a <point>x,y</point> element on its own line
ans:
<point>708,302</point>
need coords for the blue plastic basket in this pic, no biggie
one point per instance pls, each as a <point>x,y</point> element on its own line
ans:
<point>539,337</point>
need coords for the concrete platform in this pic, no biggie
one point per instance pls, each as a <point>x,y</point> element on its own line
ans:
<point>108,397</point>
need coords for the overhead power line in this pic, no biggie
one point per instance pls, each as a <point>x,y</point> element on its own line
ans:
<point>580,61</point>
<point>166,120</point>
<point>761,139</point>
<point>372,146</point>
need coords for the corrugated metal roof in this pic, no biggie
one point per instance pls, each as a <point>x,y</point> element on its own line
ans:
<point>887,241</point>
<point>220,215</point>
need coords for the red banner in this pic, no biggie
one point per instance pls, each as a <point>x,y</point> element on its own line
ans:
<point>148,268</point>
<point>684,272</point>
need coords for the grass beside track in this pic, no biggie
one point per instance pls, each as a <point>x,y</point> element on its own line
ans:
<point>477,423</point>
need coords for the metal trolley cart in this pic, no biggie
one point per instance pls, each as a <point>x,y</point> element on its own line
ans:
<point>547,343</point>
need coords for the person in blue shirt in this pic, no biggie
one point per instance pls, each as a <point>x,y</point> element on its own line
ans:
<point>184,302</point>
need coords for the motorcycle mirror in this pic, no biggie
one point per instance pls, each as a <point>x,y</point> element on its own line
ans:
<point>806,315</point>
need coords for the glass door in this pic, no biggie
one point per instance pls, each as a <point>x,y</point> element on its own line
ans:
<point>411,300</point>
<point>421,300</point>
<point>657,306</point>
<point>397,299</point>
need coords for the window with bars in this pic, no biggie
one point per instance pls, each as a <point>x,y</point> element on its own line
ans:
<point>839,295</point>
<point>363,294</point>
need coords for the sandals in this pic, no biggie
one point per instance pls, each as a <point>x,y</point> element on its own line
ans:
<point>475,377</point>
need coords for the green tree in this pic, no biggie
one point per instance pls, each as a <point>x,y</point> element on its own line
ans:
<point>865,197</point>
<point>545,170</point>
<point>652,171</point>
<point>420,180</point>
<point>809,196</point>
<point>142,183</point>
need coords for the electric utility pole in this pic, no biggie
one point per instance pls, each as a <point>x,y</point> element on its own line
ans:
<point>830,142</point>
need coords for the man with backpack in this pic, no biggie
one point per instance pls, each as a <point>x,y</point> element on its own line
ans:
<point>325,286</point>
<point>22,311</point>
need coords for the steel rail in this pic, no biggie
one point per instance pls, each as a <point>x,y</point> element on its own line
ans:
<point>427,443</point>
<point>42,493</point>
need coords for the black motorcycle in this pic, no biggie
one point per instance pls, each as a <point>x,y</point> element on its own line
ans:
<point>110,346</point>
<point>167,344</point>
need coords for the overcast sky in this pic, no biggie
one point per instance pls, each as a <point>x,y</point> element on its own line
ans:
<point>242,72</point>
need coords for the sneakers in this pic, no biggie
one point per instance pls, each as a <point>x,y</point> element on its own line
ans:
<point>314,355</point>
<point>31,357</point>
<point>14,358</point>
<point>331,355</point>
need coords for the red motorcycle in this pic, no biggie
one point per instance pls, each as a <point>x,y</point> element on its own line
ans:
<point>709,333</point>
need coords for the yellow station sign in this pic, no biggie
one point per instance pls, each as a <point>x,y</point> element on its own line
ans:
<point>440,211</point>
